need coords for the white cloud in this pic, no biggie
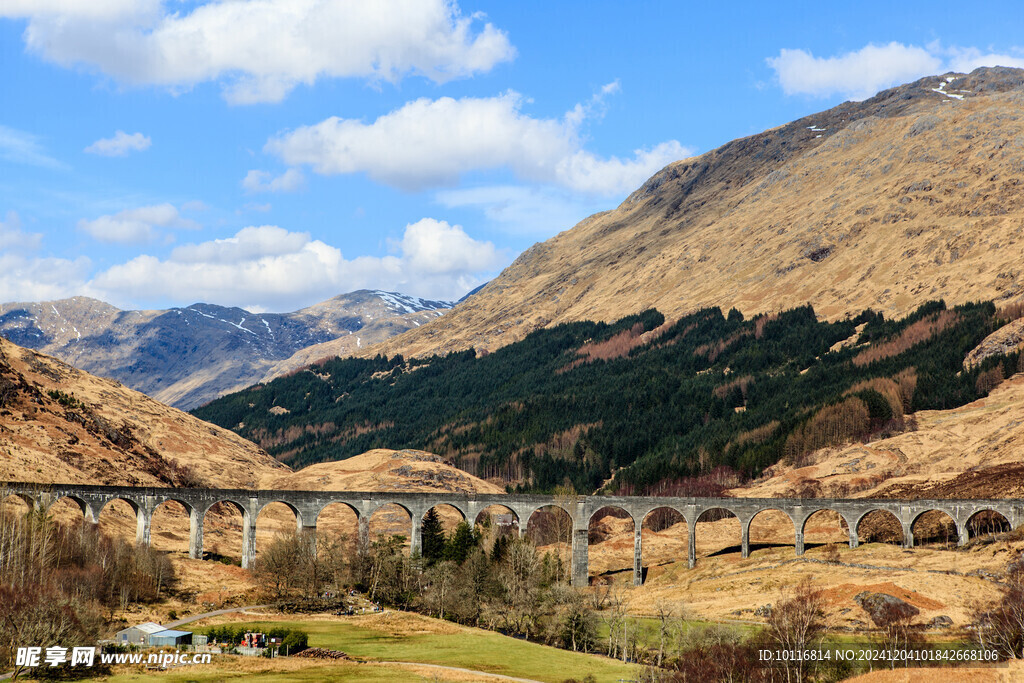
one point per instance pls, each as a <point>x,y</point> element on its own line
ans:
<point>136,226</point>
<point>428,143</point>
<point>586,172</point>
<point>24,278</point>
<point>24,148</point>
<point>120,145</point>
<point>12,237</point>
<point>270,268</point>
<point>967,59</point>
<point>862,73</point>
<point>261,49</point>
<point>858,75</point>
<point>263,181</point>
<point>433,247</point>
<point>519,210</point>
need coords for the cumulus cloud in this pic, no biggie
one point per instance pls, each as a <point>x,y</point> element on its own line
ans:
<point>862,73</point>
<point>263,181</point>
<point>136,226</point>
<point>433,247</point>
<point>270,268</point>
<point>428,143</point>
<point>22,147</point>
<point>121,144</point>
<point>521,210</point>
<point>261,49</point>
<point>12,237</point>
<point>967,59</point>
<point>26,278</point>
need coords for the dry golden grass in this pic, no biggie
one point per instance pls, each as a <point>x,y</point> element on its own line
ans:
<point>41,443</point>
<point>987,434</point>
<point>883,212</point>
<point>725,586</point>
<point>1004,673</point>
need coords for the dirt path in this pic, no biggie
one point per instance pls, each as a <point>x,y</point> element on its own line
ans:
<point>215,613</point>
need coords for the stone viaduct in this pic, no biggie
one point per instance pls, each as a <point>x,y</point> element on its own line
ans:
<point>307,505</point>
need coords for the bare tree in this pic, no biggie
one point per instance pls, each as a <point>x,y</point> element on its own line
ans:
<point>1000,626</point>
<point>614,617</point>
<point>665,614</point>
<point>797,623</point>
<point>567,498</point>
<point>440,586</point>
<point>519,582</point>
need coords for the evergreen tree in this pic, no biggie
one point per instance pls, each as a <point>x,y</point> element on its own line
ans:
<point>432,534</point>
<point>499,548</point>
<point>460,544</point>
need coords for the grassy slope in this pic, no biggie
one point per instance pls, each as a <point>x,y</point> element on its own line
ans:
<point>452,645</point>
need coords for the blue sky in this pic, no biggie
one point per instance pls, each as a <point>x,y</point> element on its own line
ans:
<point>273,153</point>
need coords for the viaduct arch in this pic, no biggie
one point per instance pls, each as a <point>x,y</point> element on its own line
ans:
<point>307,506</point>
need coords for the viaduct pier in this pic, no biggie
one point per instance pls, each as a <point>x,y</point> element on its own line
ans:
<point>307,506</point>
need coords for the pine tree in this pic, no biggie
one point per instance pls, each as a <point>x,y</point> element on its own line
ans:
<point>432,534</point>
<point>498,549</point>
<point>460,544</point>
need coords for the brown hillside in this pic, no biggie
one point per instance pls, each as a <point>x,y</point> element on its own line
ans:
<point>105,433</point>
<point>96,431</point>
<point>969,452</point>
<point>385,470</point>
<point>908,196</point>
<point>109,434</point>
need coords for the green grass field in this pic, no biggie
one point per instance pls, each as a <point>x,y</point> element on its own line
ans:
<point>468,648</point>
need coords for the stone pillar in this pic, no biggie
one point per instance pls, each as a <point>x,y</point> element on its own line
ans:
<point>908,535</point>
<point>962,535</point>
<point>308,532</point>
<point>798,530</point>
<point>638,560</point>
<point>580,561</point>
<point>43,501</point>
<point>692,542</point>
<point>248,539</point>
<point>473,509</point>
<point>364,531</point>
<point>89,512</point>
<point>416,539</point>
<point>852,528</point>
<point>1015,517</point>
<point>745,538</point>
<point>195,533</point>
<point>143,517</point>
<point>907,521</point>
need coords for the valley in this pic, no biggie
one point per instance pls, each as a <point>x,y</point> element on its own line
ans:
<point>809,340</point>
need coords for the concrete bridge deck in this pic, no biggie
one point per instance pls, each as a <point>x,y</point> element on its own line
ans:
<point>307,506</point>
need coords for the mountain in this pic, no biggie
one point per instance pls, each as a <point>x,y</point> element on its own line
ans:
<point>60,424</point>
<point>912,195</point>
<point>638,404</point>
<point>188,356</point>
<point>972,451</point>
